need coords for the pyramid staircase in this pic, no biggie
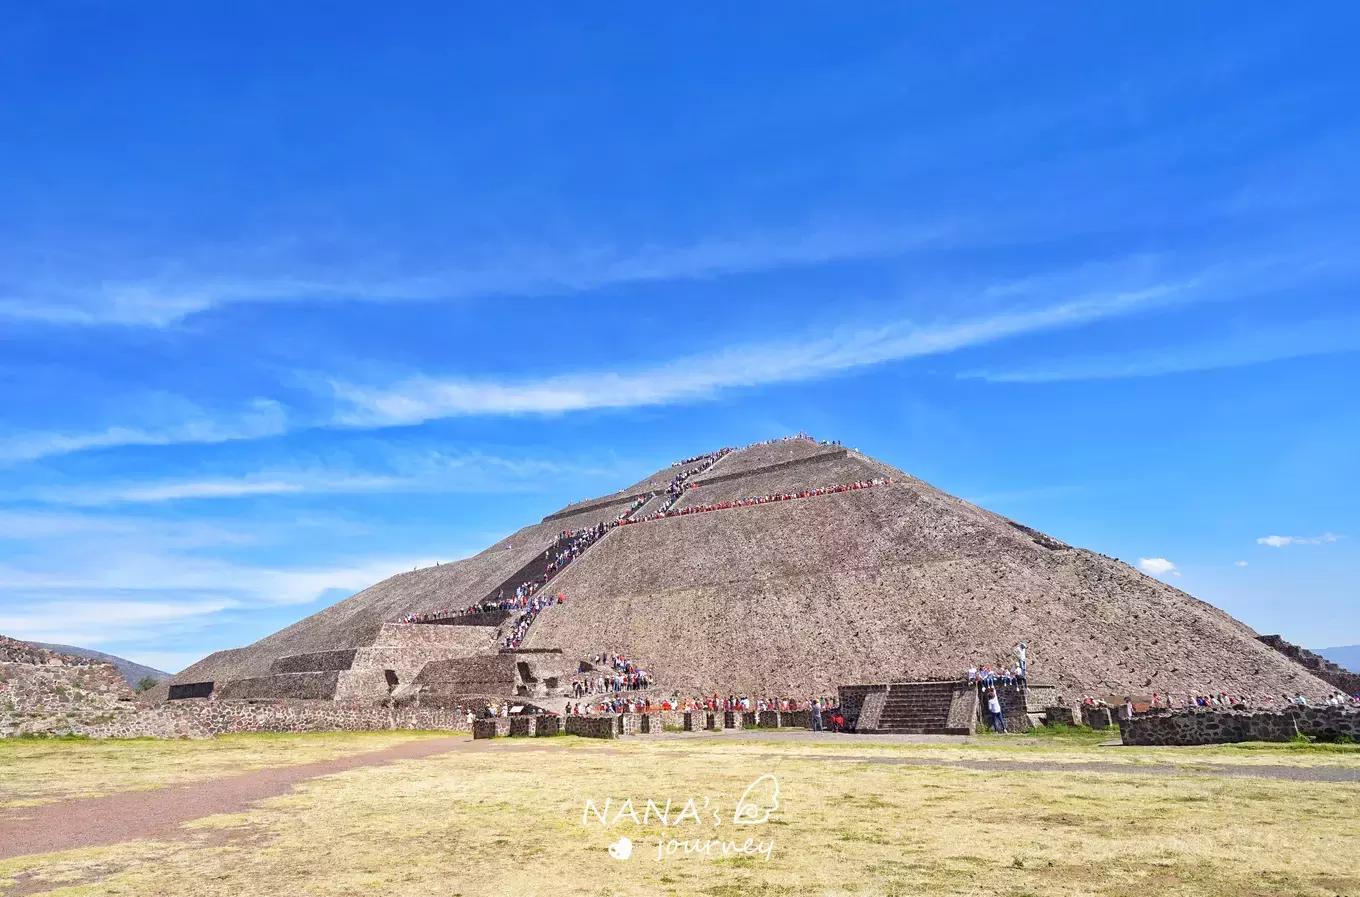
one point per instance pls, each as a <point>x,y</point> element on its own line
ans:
<point>920,708</point>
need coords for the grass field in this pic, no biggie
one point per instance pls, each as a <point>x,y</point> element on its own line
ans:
<point>35,771</point>
<point>509,818</point>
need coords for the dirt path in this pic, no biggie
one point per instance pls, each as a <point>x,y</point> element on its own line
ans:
<point>114,818</point>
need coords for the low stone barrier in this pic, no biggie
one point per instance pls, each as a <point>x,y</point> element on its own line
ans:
<point>1191,727</point>
<point>768,719</point>
<point>730,719</point>
<point>547,725</point>
<point>795,719</point>
<point>591,726</point>
<point>712,721</point>
<point>1097,717</point>
<point>201,718</point>
<point>491,727</point>
<point>521,726</point>
<point>1059,715</point>
<point>670,719</point>
<point>694,721</point>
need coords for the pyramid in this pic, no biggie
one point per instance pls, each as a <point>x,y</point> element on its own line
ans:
<point>722,573</point>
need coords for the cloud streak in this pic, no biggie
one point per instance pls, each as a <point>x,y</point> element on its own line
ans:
<point>1286,541</point>
<point>1281,343</point>
<point>516,271</point>
<point>429,471</point>
<point>261,419</point>
<point>419,399</point>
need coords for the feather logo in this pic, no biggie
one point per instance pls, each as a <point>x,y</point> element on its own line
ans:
<point>621,849</point>
<point>758,801</point>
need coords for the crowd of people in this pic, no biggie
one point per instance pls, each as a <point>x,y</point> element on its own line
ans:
<point>987,675</point>
<point>568,547</point>
<point>665,511</point>
<point>617,674</point>
<point>824,714</point>
<point>520,627</point>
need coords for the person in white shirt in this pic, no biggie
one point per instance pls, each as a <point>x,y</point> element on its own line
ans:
<point>998,721</point>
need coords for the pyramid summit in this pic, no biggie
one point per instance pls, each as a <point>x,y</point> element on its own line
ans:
<point>788,567</point>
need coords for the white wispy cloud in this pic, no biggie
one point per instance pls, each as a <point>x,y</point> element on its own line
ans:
<point>261,418</point>
<point>1285,541</point>
<point>1279,343</point>
<point>424,398</point>
<point>181,490</point>
<point>75,527</point>
<point>1239,563</point>
<point>204,582</point>
<point>164,299</point>
<point>412,470</point>
<point>1158,567</point>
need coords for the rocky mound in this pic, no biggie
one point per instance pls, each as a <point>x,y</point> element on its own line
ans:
<point>798,596</point>
<point>131,671</point>
<point>40,688</point>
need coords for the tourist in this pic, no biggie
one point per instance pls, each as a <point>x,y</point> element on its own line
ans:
<point>998,719</point>
<point>816,708</point>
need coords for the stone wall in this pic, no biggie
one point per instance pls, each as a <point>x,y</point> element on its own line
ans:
<point>963,710</point>
<point>57,687</point>
<point>852,700</point>
<point>312,686</point>
<point>1189,727</point>
<point>591,726</point>
<point>1014,707</point>
<point>1097,717</point>
<point>671,719</point>
<point>491,727</point>
<point>1333,673</point>
<point>314,661</point>
<point>446,682</point>
<point>198,718</point>
<point>795,719</point>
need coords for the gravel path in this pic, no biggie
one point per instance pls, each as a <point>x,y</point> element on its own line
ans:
<point>114,818</point>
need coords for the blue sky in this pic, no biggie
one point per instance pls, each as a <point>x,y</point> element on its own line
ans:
<point>290,302</point>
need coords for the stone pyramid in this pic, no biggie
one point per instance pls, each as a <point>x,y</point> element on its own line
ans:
<point>723,573</point>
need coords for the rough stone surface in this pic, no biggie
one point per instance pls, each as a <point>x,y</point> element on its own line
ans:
<point>1202,726</point>
<point>591,726</point>
<point>317,686</point>
<point>314,662</point>
<point>206,718</point>
<point>40,689</point>
<point>1097,717</point>
<point>903,581</point>
<point>1345,680</point>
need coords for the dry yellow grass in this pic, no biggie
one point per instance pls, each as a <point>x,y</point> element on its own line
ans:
<point>39,771</point>
<point>508,820</point>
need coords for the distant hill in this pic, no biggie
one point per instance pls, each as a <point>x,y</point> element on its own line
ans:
<point>1346,655</point>
<point>132,672</point>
